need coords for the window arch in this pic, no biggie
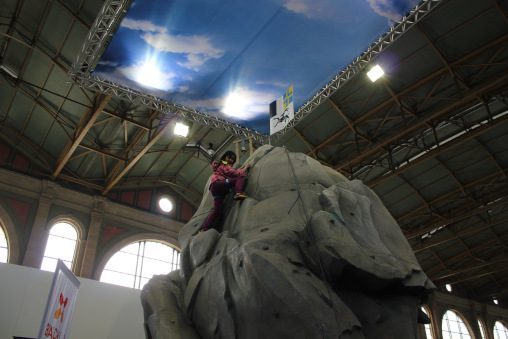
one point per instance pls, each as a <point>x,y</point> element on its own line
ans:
<point>428,331</point>
<point>500,330</point>
<point>454,326</point>
<point>4,249</point>
<point>135,264</point>
<point>8,229</point>
<point>481,326</point>
<point>61,244</point>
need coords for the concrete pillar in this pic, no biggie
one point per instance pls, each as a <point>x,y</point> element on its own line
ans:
<point>92,240</point>
<point>39,235</point>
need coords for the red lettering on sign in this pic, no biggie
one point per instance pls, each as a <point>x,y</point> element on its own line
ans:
<point>52,332</point>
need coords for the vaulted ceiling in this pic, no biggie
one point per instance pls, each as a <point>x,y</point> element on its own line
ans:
<point>430,138</point>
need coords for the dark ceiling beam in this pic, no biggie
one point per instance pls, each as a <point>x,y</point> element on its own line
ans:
<point>136,140</point>
<point>500,10</point>
<point>313,122</point>
<point>54,115</point>
<point>82,128</point>
<point>429,243</point>
<point>306,142</point>
<point>472,276</point>
<point>44,163</point>
<point>456,180</point>
<point>397,99</point>
<point>484,181</point>
<point>347,120</point>
<point>467,99</point>
<point>457,79</point>
<point>75,15</point>
<point>461,257</point>
<point>417,84</point>
<point>439,150</point>
<point>424,201</point>
<point>111,182</point>
<point>494,160</point>
<point>190,156</point>
<point>108,154</point>
<point>470,212</point>
<point>489,295</point>
<point>130,121</point>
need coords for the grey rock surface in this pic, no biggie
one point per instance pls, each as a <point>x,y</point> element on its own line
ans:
<point>308,254</point>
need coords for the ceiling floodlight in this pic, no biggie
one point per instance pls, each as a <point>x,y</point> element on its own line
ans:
<point>8,70</point>
<point>375,73</point>
<point>181,129</point>
<point>165,204</point>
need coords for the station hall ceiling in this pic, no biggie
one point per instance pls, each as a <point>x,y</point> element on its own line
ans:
<point>430,137</point>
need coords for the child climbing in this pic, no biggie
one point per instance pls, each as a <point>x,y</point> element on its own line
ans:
<point>224,177</point>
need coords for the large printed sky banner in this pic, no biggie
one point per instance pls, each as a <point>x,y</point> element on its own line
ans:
<point>232,58</point>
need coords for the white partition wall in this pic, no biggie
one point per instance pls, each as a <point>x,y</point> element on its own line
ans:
<point>102,310</point>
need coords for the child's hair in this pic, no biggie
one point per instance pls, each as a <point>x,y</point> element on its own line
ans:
<point>228,154</point>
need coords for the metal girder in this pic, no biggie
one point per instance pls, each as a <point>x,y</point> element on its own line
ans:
<point>437,75</point>
<point>113,11</point>
<point>360,63</point>
<point>79,133</point>
<point>469,213</point>
<point>150,101</point>
<point>112,181</point>
<point>104,26</point>
<point>437,151</point>
<point>431,271</point>
<point>415,126</point>
<point>429,244</point>
<point>106,23</point>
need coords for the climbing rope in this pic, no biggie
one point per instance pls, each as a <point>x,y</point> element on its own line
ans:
<point>313,238</point>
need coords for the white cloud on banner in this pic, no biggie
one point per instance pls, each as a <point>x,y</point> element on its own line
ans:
<point>311,8</point>
<point>142,25</point>
<point>390,9</point>
<point>198,48</point>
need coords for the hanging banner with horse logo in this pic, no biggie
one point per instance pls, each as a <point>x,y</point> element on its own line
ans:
<point>282,111</point>
<point>56,323</point>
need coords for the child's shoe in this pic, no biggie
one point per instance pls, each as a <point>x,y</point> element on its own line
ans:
<point>239,196</point>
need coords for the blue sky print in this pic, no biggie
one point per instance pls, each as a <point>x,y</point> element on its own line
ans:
<point>232,58</point>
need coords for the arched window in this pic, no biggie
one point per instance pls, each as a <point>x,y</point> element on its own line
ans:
<point>4,250</point>
<point>61,245</point>
<point>428,332</point>
<point>500,331</point>
<point>482,328</point>
<point>454,326</point>
<point>135,264</point>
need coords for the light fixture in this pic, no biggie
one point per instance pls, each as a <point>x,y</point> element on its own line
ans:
<point>7,69</point>
<point>165,204</point>
<point>448,287</point>
<point>495,301</point>
<point>181,129</point>
<point>210,149</point>
<point>375,73</point>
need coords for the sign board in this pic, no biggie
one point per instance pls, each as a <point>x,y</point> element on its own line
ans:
<point>282,111</point>
<point>56,323</point>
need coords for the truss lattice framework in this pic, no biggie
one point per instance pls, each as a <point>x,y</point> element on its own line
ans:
<point>104,26</point>
<point>113,11</point>
<point>361,62</point>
